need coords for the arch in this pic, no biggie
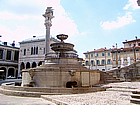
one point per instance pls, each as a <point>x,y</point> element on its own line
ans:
<point>3,73</point>
<point>22,66</point>
<point>32,51</point>
<point>36,50</point>
<point>40,63</point>
<point>34,65</point>
<point>27,65</point>
<point>71,84</point>
<point>11,72</point>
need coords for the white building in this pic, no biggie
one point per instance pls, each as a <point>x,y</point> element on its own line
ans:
<point>32,52</point>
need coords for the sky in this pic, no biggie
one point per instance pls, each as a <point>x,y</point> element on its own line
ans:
<point>90,24</point>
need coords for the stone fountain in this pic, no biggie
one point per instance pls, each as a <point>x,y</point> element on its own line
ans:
<point>62,70</point>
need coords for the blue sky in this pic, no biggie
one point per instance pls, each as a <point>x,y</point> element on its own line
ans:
<point>90,24</point>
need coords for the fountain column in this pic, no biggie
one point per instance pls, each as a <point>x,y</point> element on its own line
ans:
<point>48,23</point>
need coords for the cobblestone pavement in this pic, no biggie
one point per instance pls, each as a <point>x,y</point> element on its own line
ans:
<point>109,97</point>
<point>16,100</point>
<point>98,98</point>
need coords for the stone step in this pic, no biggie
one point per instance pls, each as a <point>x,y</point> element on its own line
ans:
<point>136,92</point>
<point>136,96</point>
<point>120,89</point>
<point>135,101</point>
<point>112,81</point>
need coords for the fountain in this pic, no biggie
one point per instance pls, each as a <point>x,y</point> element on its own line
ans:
<point>60,74</point>
<point>63,69</point>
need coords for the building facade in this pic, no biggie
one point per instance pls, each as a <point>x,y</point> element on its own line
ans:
<point>9,55</point>
<point>127,55</point>
<point>32,53</point>
<point>100,59</point>
<point>106,59</point>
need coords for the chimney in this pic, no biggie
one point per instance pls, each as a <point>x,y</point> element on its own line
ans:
<point>5,43</point>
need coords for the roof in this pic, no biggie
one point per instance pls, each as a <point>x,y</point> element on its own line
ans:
<point>130,41</point>
<point>125,49</point>
<point>8,45</point>
<point>98,50</point>
<point>37,39</point>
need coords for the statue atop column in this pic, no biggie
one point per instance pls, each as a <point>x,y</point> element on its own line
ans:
<point>48,23</point>
<point>48,17</point>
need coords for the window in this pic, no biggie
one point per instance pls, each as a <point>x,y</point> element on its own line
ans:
<point>44,51</point>
<point>103,62</point>
<point>103,54</point>
<point>8,56</point>
<point>109,61</point>
<point>86,63</point>
<point>16,55</point>
<point>92,62</point>
<point>1,54</point>
<point>138,44</point>
<point>92,55</point>
<point>108,53</point>
<point>32,51</point>
<point>98,62</point>
<point>24,51</point>
<point>36,50</point>
<point>96,54</point>
<point>86,55</point>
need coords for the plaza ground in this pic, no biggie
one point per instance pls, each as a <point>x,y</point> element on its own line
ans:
<point>116,94</point>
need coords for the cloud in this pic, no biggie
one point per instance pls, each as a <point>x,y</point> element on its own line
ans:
<point>131,4</point>
<point>18,24</point>
<point>119,22</point>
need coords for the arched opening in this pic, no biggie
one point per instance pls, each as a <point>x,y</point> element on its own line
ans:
<point>27,65</point>
<point>40,63</point>
<point>22,66</point>
<point>3,73</point>
<point>11,72</point>
<point>33,64</point>
<point>71,84</point>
